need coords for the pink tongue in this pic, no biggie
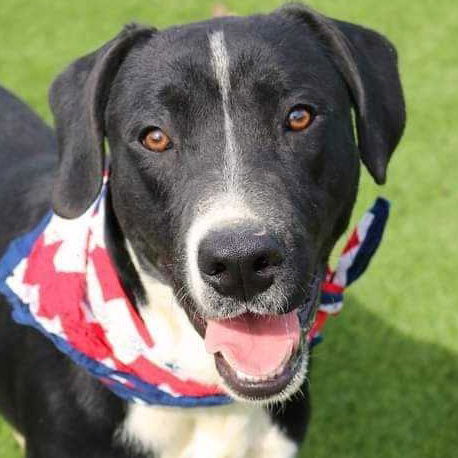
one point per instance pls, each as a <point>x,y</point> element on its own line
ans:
<point>254,344</point>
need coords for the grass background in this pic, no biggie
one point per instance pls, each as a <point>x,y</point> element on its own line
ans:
<point>385,382</point>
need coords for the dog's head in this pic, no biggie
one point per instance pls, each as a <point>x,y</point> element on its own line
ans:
<point>234,167</point>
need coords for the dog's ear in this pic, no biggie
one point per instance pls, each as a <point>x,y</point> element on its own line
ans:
<point>368,63</point>
<point>78,99</point>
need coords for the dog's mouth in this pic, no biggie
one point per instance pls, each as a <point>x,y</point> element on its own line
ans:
<point>258,356</point>
<point>261,357</point>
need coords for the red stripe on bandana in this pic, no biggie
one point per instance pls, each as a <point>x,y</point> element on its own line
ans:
<point>155,375</point>
<point>112,289</point>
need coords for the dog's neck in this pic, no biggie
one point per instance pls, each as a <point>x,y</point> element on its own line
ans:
<point>116,244</point>
<point>175,337</point>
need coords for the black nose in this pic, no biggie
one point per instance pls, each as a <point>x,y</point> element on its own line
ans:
<point>239,263</point>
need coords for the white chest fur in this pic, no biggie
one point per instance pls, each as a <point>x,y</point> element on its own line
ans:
<point>235,431</point>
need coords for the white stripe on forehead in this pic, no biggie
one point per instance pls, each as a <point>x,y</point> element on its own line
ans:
<point>220,63</point>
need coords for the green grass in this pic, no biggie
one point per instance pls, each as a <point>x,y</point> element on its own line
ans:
<point>385,382</point>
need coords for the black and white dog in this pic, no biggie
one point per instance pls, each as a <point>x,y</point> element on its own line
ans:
<point>234,170</point>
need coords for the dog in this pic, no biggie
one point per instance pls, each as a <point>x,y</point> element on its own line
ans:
<point>234,169</point>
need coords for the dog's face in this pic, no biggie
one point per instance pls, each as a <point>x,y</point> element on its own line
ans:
<point>234,168</point>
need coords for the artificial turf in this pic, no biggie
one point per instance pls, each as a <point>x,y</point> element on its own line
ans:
<point>385,381</point>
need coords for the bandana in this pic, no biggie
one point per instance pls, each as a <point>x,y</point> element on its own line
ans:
<point>60,280</point>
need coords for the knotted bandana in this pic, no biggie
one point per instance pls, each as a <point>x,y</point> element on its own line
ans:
<point>60,280</point>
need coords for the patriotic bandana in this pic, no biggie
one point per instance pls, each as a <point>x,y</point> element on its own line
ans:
<point>60,280</point>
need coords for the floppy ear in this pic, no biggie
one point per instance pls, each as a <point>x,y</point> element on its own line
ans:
<point>78,98</point>
<point>368,63</point>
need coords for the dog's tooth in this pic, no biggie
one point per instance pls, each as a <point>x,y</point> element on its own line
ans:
<point>240,375</point>
<point>262,378</point>
<point>243,376</point>
<point>247,377</point>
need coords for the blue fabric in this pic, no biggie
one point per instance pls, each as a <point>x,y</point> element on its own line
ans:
<point>331,298</point>
<point>380,210</point>
<point>316,340</point>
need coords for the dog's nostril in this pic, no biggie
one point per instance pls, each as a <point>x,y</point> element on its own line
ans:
<point>272,258</point>
<point>261,263</point>
<point>216,269</point>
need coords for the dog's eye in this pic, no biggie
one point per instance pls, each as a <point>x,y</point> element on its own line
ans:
<point>155,139</point>
<point>299,118</point>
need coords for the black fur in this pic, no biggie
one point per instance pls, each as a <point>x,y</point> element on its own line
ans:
<point>368,63</point>
<point>304,183</point>
<point>78,99</point>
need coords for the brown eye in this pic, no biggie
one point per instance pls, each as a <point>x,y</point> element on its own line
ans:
<point>299,118</point>
<point>156,140</point>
